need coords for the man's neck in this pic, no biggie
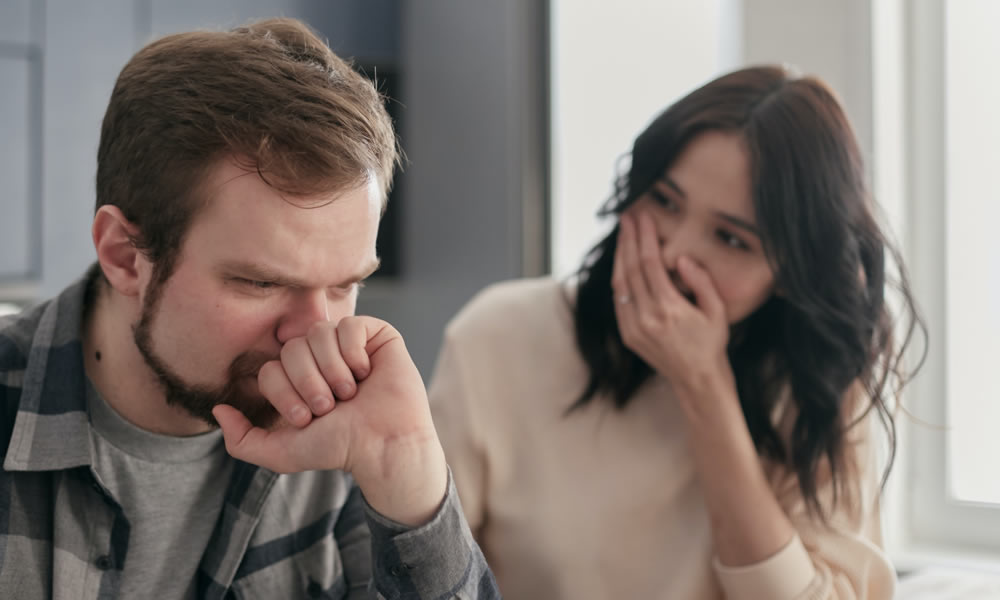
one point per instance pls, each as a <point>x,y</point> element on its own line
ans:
<point>120,374</point>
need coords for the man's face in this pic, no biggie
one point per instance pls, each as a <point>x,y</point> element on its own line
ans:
<point>255,270</point>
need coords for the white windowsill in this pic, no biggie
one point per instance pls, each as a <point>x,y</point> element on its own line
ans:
<point>923,558</point>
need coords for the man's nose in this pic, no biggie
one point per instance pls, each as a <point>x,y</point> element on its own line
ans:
<point>307,308</point>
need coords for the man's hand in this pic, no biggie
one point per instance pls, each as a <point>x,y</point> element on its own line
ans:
<point>379,428</point>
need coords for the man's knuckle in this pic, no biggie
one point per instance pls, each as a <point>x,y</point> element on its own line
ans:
<point>319,329</point>
<point>291,347</point>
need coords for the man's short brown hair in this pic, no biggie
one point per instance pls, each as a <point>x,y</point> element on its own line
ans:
<point>270,95</point>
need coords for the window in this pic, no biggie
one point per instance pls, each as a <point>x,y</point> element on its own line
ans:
<point>953,489</point>
<point>972,251</point>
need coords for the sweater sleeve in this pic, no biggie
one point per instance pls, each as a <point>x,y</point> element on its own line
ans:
<point>459,432</point>
<point>841,559</point>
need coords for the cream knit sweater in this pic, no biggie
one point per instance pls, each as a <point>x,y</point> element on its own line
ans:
<point>605,504</point>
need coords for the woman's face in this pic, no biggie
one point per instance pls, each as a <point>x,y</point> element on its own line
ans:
<point>702,208</point>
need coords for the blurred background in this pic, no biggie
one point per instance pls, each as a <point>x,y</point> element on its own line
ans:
<point>513,115</point>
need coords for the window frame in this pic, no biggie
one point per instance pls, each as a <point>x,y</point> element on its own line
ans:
<point>932,522</point>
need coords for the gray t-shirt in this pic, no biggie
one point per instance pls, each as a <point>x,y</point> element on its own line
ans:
<point>171,490</point>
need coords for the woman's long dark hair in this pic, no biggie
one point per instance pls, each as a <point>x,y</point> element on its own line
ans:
<point>829,330</point>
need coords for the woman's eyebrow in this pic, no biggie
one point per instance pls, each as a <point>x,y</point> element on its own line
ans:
<point>670,183</point>
<point>738,222</point>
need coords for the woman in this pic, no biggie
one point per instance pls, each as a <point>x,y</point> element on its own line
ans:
<point>691,417</point>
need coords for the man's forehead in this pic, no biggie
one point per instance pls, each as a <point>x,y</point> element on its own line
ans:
<point>250,231</point>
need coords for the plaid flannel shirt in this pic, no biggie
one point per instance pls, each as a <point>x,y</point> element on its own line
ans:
<point>304,535</point>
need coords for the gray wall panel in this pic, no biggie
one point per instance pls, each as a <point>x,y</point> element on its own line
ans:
<point>15,21</point>
<point>15,155</point>
<point>84,51</point>
<point>474,136</point>
<point>366,29</point>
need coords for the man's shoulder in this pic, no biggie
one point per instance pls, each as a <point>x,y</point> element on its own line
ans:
<point>16,334</point>
<point>13,361</point>
<point>17,337</point>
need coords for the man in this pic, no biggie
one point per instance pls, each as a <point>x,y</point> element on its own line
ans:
<point>241,176</point>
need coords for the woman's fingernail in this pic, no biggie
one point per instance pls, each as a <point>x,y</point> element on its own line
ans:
<point>342,390</point>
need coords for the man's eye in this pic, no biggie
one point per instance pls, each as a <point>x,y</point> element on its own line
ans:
<point>257,284</point>
<point>346,290</point>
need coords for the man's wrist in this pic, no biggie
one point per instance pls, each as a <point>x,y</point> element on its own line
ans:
<point>410,484</point>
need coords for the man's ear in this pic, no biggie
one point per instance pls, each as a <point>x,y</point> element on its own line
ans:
<point>124,265</point>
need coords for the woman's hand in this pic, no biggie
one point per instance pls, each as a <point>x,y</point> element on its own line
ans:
<point>683,340</point>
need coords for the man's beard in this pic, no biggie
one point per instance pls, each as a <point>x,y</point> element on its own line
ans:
<point>198,400</point>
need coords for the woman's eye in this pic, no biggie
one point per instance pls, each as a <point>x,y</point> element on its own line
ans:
<point>661,198</point>
<point>732,241</point>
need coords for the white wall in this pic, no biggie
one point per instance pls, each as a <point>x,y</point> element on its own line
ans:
<point>832,40</point>
<point>973,256</point>
<point>617,64</point>
<point>614,66</point>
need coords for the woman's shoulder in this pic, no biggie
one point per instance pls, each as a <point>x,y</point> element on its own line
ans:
<point>518,305</point>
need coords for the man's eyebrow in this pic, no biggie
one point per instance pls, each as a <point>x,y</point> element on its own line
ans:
<point>261,272</point>
<point>362,274</point>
